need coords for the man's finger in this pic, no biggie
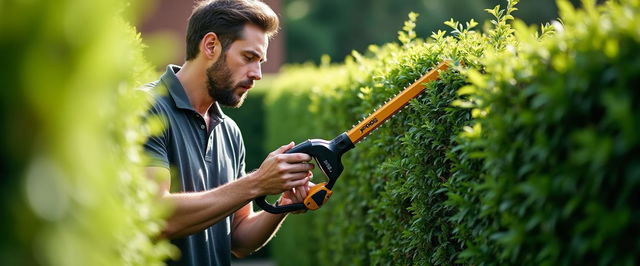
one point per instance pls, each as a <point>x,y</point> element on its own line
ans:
<point>300,193</point>
<point>296,157</point>
<point>300,167</point>
<point>309,184</point>
<point>297,182</point>
<point>284,148</point>
<point>296,176</point>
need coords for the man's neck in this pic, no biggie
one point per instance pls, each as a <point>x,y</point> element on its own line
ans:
<point>194,81</point>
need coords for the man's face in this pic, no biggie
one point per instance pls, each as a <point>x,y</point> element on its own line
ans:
<point>232,75</point>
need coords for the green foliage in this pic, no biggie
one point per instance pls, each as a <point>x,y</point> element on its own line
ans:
<point>385,179</point>
<point>526,155</point>
<point>559,144</point>
<point>73,190</point>
<point>336,27</point>
<point>250,119</point>
<point>292,116</point>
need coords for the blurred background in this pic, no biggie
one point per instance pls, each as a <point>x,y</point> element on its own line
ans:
<point>311,28</point>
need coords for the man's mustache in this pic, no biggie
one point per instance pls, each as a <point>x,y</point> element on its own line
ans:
<point>245,83</point>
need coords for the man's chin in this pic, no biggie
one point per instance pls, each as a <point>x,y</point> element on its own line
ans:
<point>240,101</point>
<point>237,102</point>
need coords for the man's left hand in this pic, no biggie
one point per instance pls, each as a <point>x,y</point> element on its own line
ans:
<point>296,195</point>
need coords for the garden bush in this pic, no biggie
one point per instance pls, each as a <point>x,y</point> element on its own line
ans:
<point>557,135</point>
<point>372,198</point>
<point>73,191</point>
<point>250,119</point>
<point>526,155</point>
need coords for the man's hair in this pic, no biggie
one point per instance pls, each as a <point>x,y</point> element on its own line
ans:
<point>227,18</point>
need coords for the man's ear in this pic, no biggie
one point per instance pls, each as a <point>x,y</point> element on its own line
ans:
<point>210,46</point>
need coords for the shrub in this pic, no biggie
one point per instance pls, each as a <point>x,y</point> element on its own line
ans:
<point>384,184</point>
<point>557,135</point>
<point>250,119</point>
<point>527,155</point>
<point>73,189</point>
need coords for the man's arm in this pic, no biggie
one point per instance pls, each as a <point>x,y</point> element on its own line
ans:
<point>195,211</point>
<point>251,230</point>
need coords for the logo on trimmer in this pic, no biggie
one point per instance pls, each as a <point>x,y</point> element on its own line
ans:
<point>369,124</point>
<point>328,165</point>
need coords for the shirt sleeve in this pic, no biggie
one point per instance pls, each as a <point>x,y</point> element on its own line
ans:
<point>156,151</point>
<point>242,166</point>
<point>155,148</point>
<point>239,146</point>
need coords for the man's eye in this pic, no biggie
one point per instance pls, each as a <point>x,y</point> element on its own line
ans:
<point>249,58</point>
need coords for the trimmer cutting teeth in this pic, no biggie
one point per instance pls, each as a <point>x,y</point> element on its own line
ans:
<point>328,154</point>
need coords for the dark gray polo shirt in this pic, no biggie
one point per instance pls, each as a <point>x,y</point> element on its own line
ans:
<point>198,160</point>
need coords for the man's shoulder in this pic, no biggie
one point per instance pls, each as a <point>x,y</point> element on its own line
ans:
<point>229,121</point>
<point>155,89</point>
<point>158,96</point>
<point>232,127</point>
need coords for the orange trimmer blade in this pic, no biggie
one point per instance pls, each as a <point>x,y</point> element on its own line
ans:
<point>377,118</point>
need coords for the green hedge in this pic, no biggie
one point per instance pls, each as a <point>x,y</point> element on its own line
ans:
<point>559,144</point>
<point>72,187</point>
<point>527,155</point>
<point>250,119</point>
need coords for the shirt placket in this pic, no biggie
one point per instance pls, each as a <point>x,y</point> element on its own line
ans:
<point>201,129</point>
<point>211,139</point>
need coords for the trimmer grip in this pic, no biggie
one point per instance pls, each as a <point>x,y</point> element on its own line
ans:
<point>266,206</point>
<point>318,195</point>
<point>262,202</point>
<point>302,148</point>
<point>327,155</point>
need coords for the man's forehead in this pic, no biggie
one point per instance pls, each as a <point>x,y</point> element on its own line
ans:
<point>254,38</point>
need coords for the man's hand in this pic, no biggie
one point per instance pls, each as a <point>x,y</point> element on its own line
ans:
<point>281,172</point>
<point>296,195</point>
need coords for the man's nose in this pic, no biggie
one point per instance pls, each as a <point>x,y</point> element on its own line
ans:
<point>255,72</point>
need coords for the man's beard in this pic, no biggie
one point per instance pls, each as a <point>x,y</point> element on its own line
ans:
<point>220,85</point>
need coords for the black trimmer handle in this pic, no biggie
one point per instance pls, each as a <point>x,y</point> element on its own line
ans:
<point>328,156</point>
<point>262,202</point>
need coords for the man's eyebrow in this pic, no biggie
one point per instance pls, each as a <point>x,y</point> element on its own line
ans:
<point>256,54</point>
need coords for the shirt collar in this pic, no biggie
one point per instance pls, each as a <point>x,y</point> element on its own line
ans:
<point>179,95</point>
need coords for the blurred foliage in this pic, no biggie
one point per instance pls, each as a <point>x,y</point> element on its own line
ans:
<point>527,155</point>
<point>73,190</point>
<point>336,27</point>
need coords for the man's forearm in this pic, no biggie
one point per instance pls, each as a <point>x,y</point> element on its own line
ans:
<point>254,231</point>
<point>193,212</point>
<point>196,211</point>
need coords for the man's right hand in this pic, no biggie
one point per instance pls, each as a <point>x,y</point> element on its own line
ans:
<point>281,171</point>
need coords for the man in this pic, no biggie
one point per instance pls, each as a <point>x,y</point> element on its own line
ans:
<point>201,149</point>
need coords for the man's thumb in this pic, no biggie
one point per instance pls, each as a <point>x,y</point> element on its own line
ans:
<point>285,148</point>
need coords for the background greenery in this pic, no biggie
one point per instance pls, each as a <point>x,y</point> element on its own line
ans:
<point>336,27</point>
<point>72,187</point>
<point>527,155</point>
<point>250,119</point>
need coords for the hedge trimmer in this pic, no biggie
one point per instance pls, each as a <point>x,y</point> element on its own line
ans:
<point>328,154</point>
